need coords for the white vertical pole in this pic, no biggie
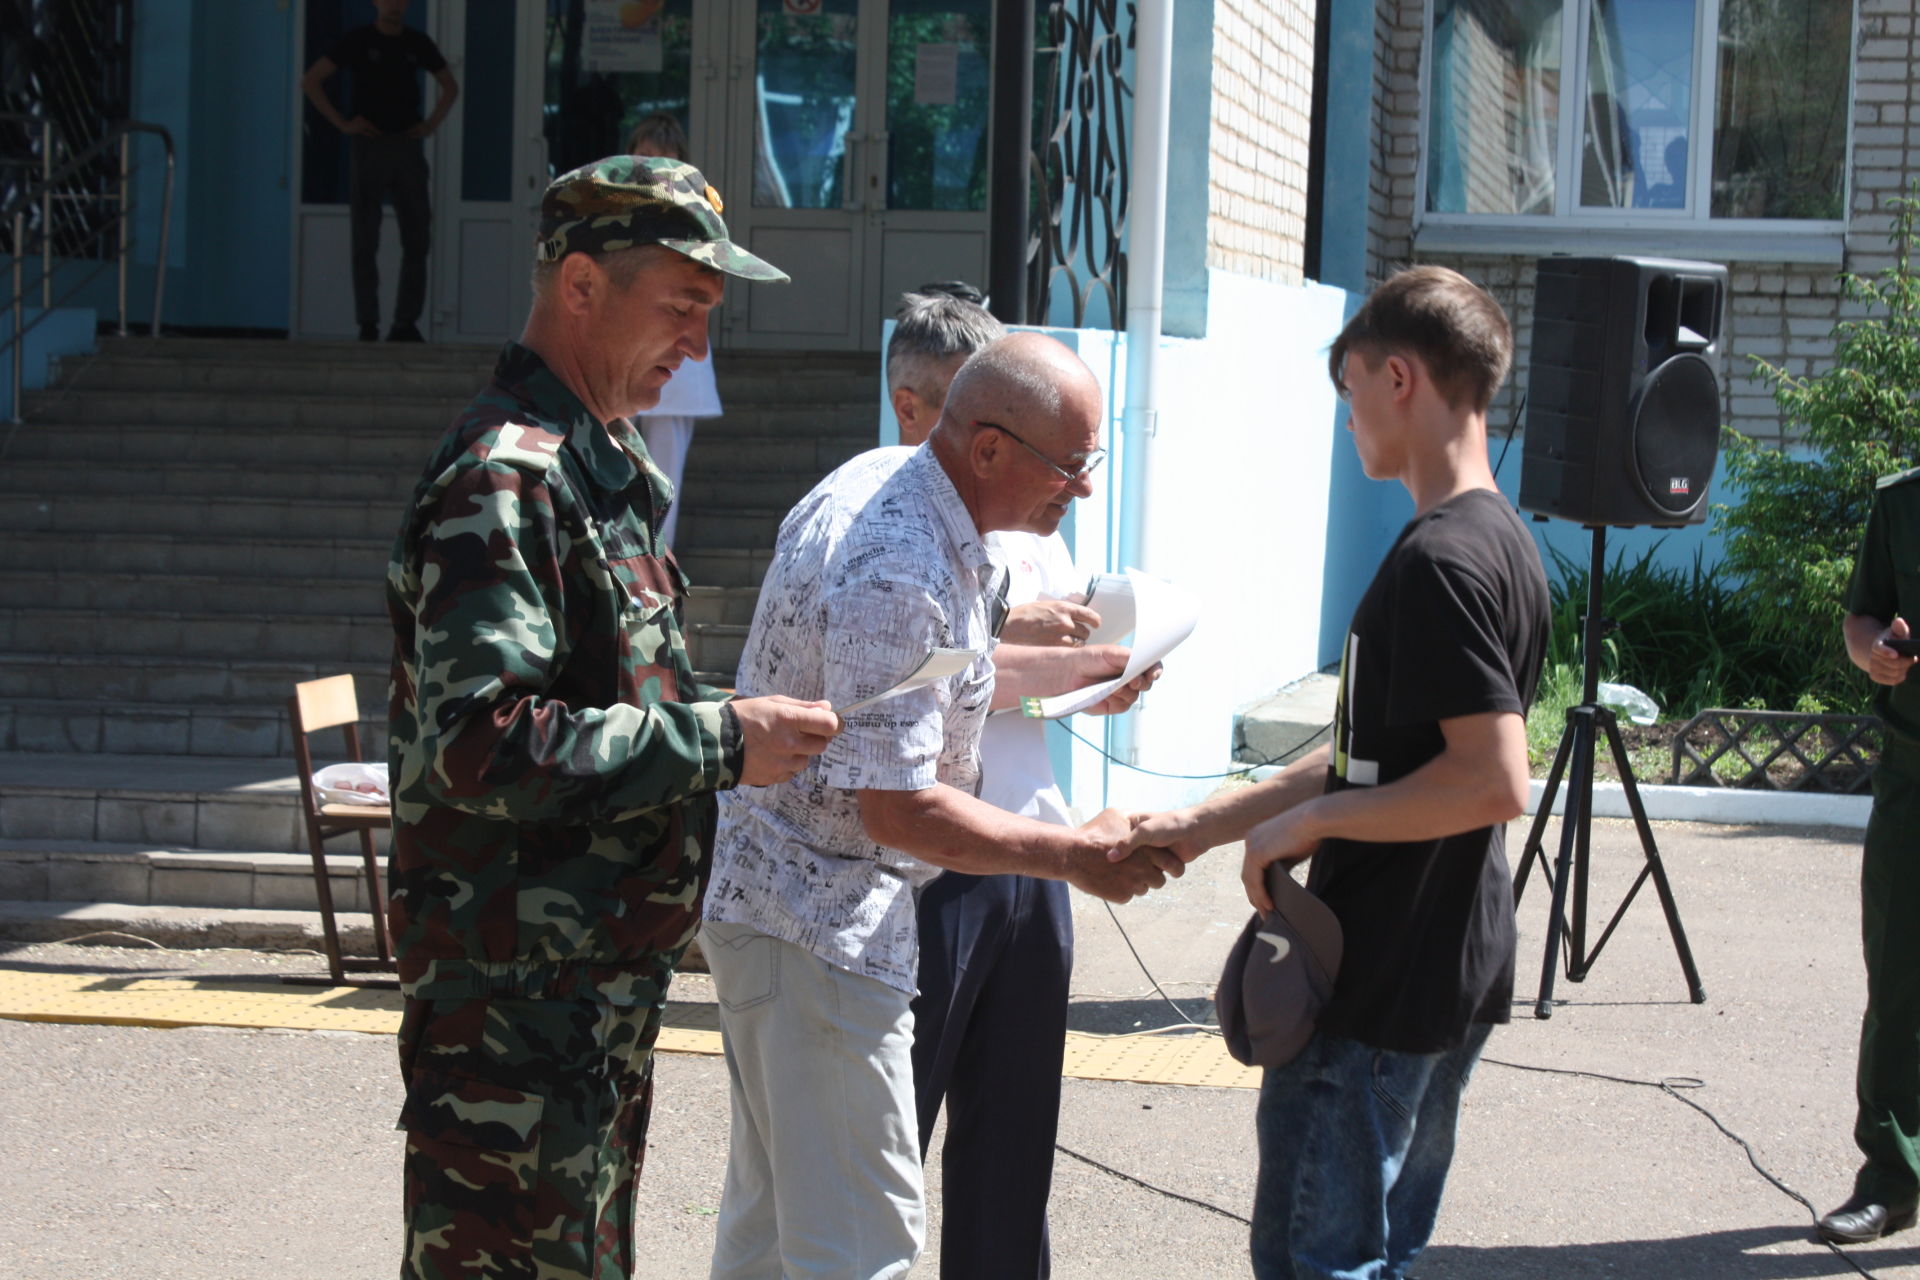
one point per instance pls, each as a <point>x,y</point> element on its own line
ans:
<point>1146,272</point>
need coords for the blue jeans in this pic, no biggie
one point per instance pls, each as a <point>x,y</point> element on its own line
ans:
<point>1354,1148</point>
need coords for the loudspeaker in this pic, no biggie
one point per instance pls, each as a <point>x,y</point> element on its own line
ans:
<point>1623,390</point>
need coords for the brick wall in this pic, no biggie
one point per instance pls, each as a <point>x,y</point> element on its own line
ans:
<point>1262,109</point>
<point>1782,313</point>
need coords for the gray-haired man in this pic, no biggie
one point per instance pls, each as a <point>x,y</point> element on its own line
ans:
<point>810,927</point>
<point>996,951</point>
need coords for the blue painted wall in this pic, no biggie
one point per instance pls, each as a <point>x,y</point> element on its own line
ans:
<point>1343,194</point>
<point>1363,516</point>
<point>220,76</point>
<point>1189,160</point>
<point>64,331</point>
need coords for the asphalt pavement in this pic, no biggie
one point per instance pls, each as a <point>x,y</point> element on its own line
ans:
<point>216,1154</point>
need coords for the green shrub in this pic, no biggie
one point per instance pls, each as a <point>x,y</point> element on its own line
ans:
<point>1791,536</point>
<point>1684,635</point>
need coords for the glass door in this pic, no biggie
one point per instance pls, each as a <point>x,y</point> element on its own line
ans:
<point>848,139</point>
<point>799,124</point>
<point>321,270</point>
<point>859,130</point>
<point>488,181</point>
<point>931,156</point>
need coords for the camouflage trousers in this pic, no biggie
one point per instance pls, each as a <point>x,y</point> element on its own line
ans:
<point>526,1125</point>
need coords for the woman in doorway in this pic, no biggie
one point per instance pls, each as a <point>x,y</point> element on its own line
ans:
<point>690,393</point>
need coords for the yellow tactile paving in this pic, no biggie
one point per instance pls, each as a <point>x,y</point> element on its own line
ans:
<point>125,999</point>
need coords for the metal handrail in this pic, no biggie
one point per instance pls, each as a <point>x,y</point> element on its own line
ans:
<point>16,214</point>
<point>49,130</point>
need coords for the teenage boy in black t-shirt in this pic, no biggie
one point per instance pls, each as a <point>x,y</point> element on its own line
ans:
<point>386,136</point>
<point>1404,814</point>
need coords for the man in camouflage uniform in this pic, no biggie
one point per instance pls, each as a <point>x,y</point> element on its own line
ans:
<point>554,761</point>
<point>1882,601</point>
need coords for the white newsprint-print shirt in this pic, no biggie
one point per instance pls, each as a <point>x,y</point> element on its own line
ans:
<point>879,564</point>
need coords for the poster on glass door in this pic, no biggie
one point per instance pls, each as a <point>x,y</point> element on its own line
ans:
<point>622,35</point>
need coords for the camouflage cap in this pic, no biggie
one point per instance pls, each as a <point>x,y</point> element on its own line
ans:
<point>624,201</point>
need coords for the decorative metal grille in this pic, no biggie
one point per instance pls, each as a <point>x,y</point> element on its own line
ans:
<point>66,76</point>
<point>1082,105</point>
<point>1721,747</point>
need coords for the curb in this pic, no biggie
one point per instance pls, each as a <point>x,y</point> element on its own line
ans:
<point>181,928</point>
<point>1727,805</point>
<point>200,928</point>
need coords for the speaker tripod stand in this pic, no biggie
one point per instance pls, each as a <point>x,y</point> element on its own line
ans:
<point>1585,724</point>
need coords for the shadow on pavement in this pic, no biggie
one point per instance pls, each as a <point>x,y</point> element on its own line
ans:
<point>1121,1017</point>
<point>1716,1255</point>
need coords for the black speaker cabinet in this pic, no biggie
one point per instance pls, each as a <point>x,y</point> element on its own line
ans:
<point>1623,390</point>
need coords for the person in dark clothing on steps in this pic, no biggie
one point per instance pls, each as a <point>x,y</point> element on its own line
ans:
<point>386,136</point>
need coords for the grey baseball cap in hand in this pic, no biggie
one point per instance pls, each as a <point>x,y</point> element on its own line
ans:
<point>624,201</point>
<point>1279,975</point>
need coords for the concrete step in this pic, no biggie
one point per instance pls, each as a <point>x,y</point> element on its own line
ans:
<point>740,383</point>
<point>179,679</point>
<point>145,875</point>
<point>1287,724</point>
<point>730,527</point>
<point>363,637</point>
<point>200,410</point>
<point>718,604</point>
<point>134,593</point>
<point>716,646</point>
<point>228,557</point>
<point>481,356</point>
<point>391,456</point>
<point>749,471</point>
<point>141,515</point>
<point>252,729</point>
<point>725,566</point>
<point>199,480</point>
<point>150,728</point>
<point>252,929</point>
<point>236,804</point>
<point>717,489</point>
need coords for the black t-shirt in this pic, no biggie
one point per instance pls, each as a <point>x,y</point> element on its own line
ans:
<point>386,80</point>
<point>1454,624</point>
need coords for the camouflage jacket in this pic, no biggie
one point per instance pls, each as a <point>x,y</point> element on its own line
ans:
<point>553,759</point>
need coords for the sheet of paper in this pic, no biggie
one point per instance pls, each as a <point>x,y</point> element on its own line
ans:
<point>936,75</point>
<point>1111,596</point>
<point>1162,617</point>
<point>937,665</point>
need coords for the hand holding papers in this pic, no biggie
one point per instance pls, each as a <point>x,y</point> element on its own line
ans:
<point>1157,614</point>
<point>937,665</point>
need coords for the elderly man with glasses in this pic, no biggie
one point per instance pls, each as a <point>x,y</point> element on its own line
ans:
<point>810,927</point>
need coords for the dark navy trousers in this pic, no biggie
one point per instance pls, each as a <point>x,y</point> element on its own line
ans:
<point>989,1037</point>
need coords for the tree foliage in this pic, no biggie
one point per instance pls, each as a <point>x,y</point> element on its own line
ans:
<point>1791,536</point>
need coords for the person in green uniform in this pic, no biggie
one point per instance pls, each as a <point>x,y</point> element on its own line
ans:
<point>554,759</point>
<point>1884,595</point>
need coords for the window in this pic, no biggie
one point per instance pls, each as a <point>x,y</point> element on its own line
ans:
<point>1654,117</point>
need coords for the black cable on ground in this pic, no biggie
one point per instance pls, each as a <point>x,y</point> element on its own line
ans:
<point>1178,1012</point>
<point>1142,1182</point>
<point>1193,777</point>
<point>1672,1087</point>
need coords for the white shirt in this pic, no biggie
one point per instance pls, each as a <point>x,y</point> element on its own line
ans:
<point>1016,773</point>
<point>879,564</point>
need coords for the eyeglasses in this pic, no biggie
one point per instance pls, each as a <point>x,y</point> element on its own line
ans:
<point>1087,467</point>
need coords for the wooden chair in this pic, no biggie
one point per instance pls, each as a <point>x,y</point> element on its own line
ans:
<point>328,704</point>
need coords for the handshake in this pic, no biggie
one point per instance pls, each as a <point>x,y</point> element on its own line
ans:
<point>1131,854</point>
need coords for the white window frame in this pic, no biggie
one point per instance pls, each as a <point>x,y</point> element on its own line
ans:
<point>1672,232</point>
